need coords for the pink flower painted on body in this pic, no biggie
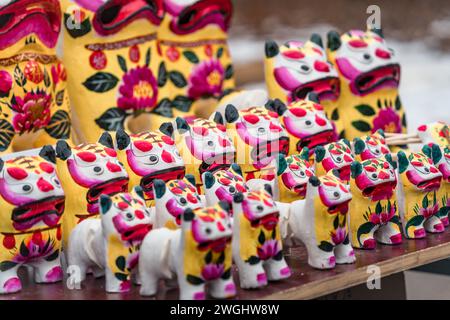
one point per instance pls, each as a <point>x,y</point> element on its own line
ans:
<point>430,211</point>
<point>138,90</point>
<point>212,271</point>
<point>268,249</point>
<point>206,80</point>
<point>338,235</point>
<point>31,112</point>
<point>387,120</point>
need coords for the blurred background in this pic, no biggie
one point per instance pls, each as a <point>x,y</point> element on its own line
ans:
<point>419,31</point>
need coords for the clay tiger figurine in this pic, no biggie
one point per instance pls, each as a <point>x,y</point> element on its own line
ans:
<point>257,246</point>
<point>110,50</point>
<point>337,155</point>
<point>203,144</point>
<point>441,159</point>
<point>306,124</point>
<point>295,69</point>
<point>34,101</point>
<point>198,254</point>
<point>320,222</point>
<point>417,191</point>
<point>196,70</point>
<point>373,210</point>
<point>111,244</point>
<point>369,74</point>
<point>436,132</point>
<point>147,156</point>
<point>172,198</point>
<point>87,171</point>
<point>32,205</point>
<point>370,146</point>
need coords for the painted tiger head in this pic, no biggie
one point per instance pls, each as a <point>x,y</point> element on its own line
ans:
<point>300,68</point>
<point>364,60</point>
<point>306,122</point>
<point>371,146</point>
<point>31,185</point>
<point>151,155</point>
<point>436,132</point>
<point>95,167</point>
<point>419,170</point>
<point>334,194</point>
<point>260,129</point>
<point>173,197</point>
<point>127,215</point>
<point>337,155</point>
<point>223,184</point>
<point>441,158</point>
<point>36,20</point>
<point>375,177</point>
<point>295,172</point>
<point>190,16</point>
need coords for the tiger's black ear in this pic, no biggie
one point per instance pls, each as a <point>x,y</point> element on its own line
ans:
<point>188,215</point>
<point>224,205</point>
<point>356,169</point>
<point>105,203</point>
<point>391,161</point>
<point>381,133</point>
<point>237,169</point>
<point>123,139</point>
<point>106,140</point>
<point>218,118</point>
<point>403,161</point>
<point>334,40</point>
<point>48,153</point>
<point>63,150</point>
<point>347,143</point>
<point>159,188</point>
<point>2,163</point>
<point>182,125</point>
<point>436,153</point>
<point>313,97</point>
<point>276,106</point>
<point>317,39</point>
<point>167,129</point>
<point>378,31</point>
<point>208,179</point>
<point>231,113</point>
<point>304,154</point>
<point>138,191</point>
<point>268,189</point>
<point>191,179</point>
<point>271,49</point>
<point>319,152</point>
<point>282,164</point>
<point>359,145</point>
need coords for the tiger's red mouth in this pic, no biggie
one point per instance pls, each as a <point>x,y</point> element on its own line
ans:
<point>115,15</point>
<point>430,185</point>
<point>300,189</point>
<point>201,14</point>
<point>217,245</point>
<point>381,191</point>
<point>381,77</point>
<point>48,210</point>
<point>269,221</point>
<point>135,233</point>
<point>19,19</point>
<point>166,175</point>
<point>341,208</point>
<point>318,139</point>
<point>326,88</point>
<point>109,188</point>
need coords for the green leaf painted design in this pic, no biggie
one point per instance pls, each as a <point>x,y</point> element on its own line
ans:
<point>6,134</point>
<point>274,233</point>
<point>221,258</point>
<point>379,104</point>
<point>361,125</point>
<point>162,75</point>
<point>6,265</point>
<point>278,256</point>
<point>112,119</point>
<point>59,125</point>
<point>335,115</point>
<point>253,260</point>
<point>226,274</point>
<point>414,221</point>
<point>177,79</point>
<point>182,103</point>
<point>336,222</point>
<point>208,257</point>
<point>24,252</point>
<point>261,237</point>
<point>122,63</point>
<point>74,30</point>
<point>398,103</point>
<point>378,208</point>
<point>326,246</point>
<point>52,256</point>
<point>219,53</point>
<point>59,98</point>
<point>404,120</point>
<point>19,77</point>
<point>229,71</point>
<point>365,110</point>
<point>191,56</point>
<point>425,202</point>
<point>148,57</point>
<point>121,276</point>
<point>363,229</point>
<point>47,81</point>
<point>194,280</point>
<point>164,108</point>
<point>121,263</point>
<point>101,82</point>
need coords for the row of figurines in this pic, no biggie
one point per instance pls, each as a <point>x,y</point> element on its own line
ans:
<point>136,64</point>
<point>313,207</point>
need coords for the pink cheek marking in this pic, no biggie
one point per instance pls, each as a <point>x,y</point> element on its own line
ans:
<point>224,142</point>
<point>220,227</point>
<point>383,54</point>
<point>332,261</point>
<point>383,175</point>
<point>298,112</point>
<point>122,205</point>
<point>347,158</point>
<point>321,66</point>
<point>202,131</point>
<point>191,198</point>
<point>433,169</point>
<point>110,152</point>
<point>422,128</point>
<point>17,173</point>
<point>44,185</point>
<point>87,156</point>
<point>113,167</point>
<point>293,54</point>
<point>357,43</point>
<point>46,167</point>
<point>320,121</point>
<point>139,214</point>
<point>274,127</point>
<point>143,146</point>
<point>251,118</point>
<point>167,140</point>
<point>167,157</point>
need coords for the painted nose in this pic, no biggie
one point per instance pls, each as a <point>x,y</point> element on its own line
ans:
<point>274,127</point>
<point>224,142</point>
<point>113,167</point>
<point>383,175</point>
<point>167,157</point>
<point>320,121</point>
<point>321,66</point>
<point>383,54</point>
<point>44,185</point>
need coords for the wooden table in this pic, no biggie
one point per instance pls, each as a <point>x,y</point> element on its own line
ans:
<point>305,283</point>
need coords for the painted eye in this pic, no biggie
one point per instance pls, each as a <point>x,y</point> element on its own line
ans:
<point>183,201</point>
<point>27,188</point>
<point>56,182</point>
<point>208,231</point>
<point>304,68</point>
<point>153,159</point>
<point>232,189</point>
<point>210,143</point>
<point>98,170</point>
<point>374,175</point>
<point>120,163</point>
<point>129,216</point>
<point>229,225</point>
<point>147,212</point>
<point>302,173</point>
<point>366,58</point>
<point>259,208</point>
<point>336,195</point>
<point>308,123</point>
<point>261,130</point>
<point>338,159</point>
